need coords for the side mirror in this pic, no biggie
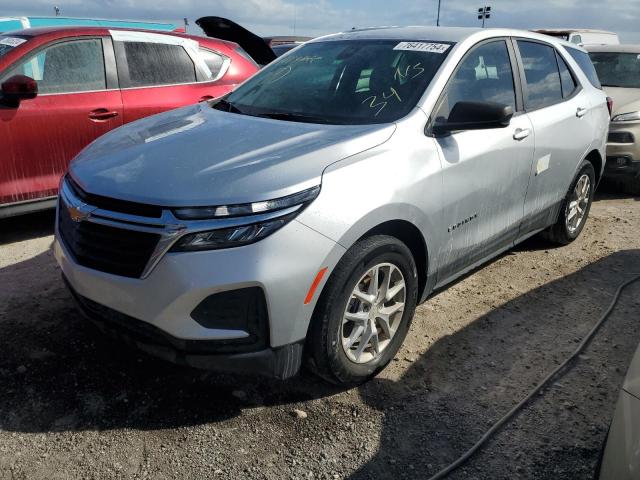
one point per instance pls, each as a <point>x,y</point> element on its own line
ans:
<point>18,88</point>
<point>475,116</point>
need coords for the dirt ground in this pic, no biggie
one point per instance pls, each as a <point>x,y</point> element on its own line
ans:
<point>76,405</point>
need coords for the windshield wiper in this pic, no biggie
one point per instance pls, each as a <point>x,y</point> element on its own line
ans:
<point>226,106</point>
<point>293,117</point>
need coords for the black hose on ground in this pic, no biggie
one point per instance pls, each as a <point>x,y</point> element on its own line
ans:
<point>511,413</point>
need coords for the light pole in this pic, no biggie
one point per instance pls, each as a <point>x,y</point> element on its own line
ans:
<point>438,19</point>
<point>484,13</point>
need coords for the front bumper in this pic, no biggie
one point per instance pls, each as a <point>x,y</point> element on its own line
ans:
<point>282,265</point>
<point>220,355</point>
<point>623,150</point>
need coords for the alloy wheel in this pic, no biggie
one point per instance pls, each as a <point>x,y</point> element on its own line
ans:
<point>578,203</point>
<point>373,313</point>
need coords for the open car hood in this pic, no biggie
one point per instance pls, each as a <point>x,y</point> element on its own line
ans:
<point>224,29</point>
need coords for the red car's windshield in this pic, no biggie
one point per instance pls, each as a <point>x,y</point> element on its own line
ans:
<point>8,43</point>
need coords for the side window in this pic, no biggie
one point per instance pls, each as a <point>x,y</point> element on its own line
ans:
<point>567,81</point>
<point>73,66</point>
<point>541,74</point>
<point>485,75</point>
<point>582,59</point>
<point>158,64</point>
<point>216,62</point>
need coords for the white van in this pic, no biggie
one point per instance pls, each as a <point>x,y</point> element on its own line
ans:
<point>582,36</point>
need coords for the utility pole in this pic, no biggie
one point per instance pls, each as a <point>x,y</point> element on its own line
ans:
<point>186,24</point>
<point>438,19</point>
<point>295,18</point>
<point>484,13</point>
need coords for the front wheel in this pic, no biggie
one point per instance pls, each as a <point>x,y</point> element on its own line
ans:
<point>364,312</point>
<point>575,207</point>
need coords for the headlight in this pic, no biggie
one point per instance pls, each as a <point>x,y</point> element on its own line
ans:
<point>230,237</point>
<point>627,117</point>
<point>226,211</point>
<point>282,211</point>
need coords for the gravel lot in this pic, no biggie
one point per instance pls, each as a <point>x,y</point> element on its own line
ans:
<point>76,405</point>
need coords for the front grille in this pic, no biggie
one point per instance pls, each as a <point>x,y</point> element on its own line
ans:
<point>113,204</point>
<point>621,137</point>
<point>104,248</point>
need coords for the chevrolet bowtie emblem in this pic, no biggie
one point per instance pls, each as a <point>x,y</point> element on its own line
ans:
<point>80,213</point>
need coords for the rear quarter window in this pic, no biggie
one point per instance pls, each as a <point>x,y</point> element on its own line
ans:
<point>216,62</point>
<point>585,63</point>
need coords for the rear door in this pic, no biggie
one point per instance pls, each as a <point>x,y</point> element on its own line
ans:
<point>161,72</point>
<point>78,101</point>
<point>485,172</point>
<point>559,110</point>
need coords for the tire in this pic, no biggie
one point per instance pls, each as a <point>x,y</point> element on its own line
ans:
<point>326,354</point>
<point>562,232</point>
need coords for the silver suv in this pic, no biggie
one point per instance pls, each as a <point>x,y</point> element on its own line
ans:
<point>304,216</point>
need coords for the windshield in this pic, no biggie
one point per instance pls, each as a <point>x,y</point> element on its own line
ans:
<point>8,43</point>
<point>341,82</point>
<point>617,69</point>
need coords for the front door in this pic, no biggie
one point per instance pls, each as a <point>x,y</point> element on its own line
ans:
<point>485,172</point>
<point>40,137</point>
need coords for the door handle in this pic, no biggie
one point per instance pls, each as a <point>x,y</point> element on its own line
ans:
<point>581,112</point>
<point>102,114</point>
<point>521,133</point>
<point>205,98</point>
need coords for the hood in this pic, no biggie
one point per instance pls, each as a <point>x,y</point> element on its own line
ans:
<point>224,29</point>
<point>625,100</point>
<point>198,156</point>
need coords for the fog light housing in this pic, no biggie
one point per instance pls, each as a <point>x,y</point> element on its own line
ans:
<point>242,309</point>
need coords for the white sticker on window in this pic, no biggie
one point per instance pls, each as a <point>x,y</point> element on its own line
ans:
<point>12,41</point>
<point>422,47</point>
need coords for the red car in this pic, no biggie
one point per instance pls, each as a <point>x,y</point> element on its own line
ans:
<point>63,87</point>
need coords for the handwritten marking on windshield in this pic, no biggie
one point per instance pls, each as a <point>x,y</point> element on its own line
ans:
<point>307,59</point>
<point>280,73</point>
<point>375,103</point>
<point>411,72</point>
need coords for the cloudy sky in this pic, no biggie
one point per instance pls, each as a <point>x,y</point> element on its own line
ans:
<point>268,17</point>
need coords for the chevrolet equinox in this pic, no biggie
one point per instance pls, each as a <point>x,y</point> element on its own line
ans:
<point>301,218</point>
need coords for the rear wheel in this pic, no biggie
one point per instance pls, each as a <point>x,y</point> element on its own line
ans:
<point>364,312</point>
<point>575,207</point>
